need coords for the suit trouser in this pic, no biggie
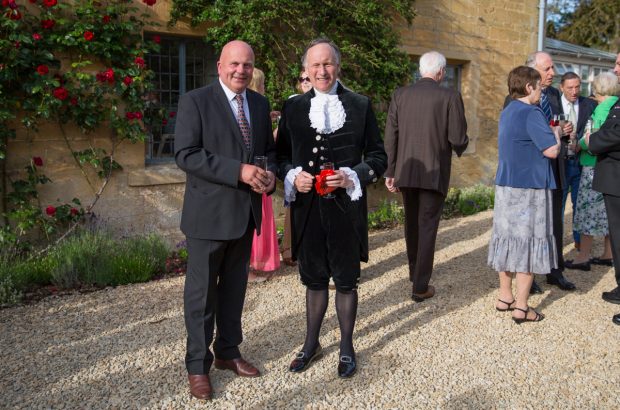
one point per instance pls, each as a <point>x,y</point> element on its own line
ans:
<point>558,230</point>
<point>215,284</point>
<point>612,206</point>
<point>422,213</point>
<point>573,175</point>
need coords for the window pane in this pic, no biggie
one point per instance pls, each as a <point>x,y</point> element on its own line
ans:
<point>199,69</point>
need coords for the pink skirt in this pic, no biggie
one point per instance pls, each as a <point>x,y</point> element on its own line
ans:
<point>265,254</point>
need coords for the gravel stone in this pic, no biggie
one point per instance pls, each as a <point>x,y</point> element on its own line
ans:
<point>124,347</point>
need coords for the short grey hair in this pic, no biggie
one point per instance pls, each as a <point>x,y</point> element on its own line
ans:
<point>605,84</point>
<point>431,63</point>
<point>316,42</point>
<point>532,58</point>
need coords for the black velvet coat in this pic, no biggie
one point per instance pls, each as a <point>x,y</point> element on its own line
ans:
<point>356,145</point>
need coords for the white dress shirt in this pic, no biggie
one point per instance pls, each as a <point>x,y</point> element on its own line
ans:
<point>566,109</point>
<point>230,95</point>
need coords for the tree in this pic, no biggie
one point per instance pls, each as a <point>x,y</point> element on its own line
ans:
<point>591,23</point>
<point>279,30</point>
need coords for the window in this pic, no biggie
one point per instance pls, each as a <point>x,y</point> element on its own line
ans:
<point>452,79</point>
<point>181,65</point>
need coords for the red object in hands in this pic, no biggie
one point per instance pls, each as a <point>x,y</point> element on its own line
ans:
<point>554,123</point>
<point>321,183</point>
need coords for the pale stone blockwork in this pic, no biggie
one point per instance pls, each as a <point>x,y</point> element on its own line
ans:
<point>486,37</point>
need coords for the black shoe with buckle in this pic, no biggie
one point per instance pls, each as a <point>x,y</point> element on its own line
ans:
<point>302,361</point>
<point>346,366</point>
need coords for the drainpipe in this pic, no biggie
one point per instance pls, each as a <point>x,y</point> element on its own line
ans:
<point>542,7</point>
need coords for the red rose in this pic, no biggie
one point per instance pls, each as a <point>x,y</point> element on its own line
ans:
<point>88,35</point>
<point>32,1</point>
<point>139,61</point>
<point>138,115</point>
<point>12,4</point>
<point>14,14</point>
<point>37,36</point>
<point>73,101</point>
<point>130,115</point>
<point>50,210</point>
<point>74,212</point>
<point>106,19</point>
<point>157,39</point>
<point>149,2</point>
<point>164,122</point>
<point>5,3</point>
<point>42,69</point>
<point>172,114</point>
<point>38,161</point>
<point>47,24</point>
<point>128,80</point>
<point>61,93</point>
<point>18,44</point>
<point>49,3</point>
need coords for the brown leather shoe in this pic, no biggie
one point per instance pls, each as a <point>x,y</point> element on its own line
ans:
<point>200,386</point>
<point>239,366</point>
<point>421,297</point>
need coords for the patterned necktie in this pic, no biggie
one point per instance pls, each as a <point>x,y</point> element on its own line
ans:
<point>544,104</point>
<point>244,125</point>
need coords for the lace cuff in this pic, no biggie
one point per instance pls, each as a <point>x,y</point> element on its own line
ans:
<point>289,185</point>
<point>354,191</point>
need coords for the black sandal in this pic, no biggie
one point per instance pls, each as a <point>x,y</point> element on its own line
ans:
<point>537,318</point>
<point>508,309</point>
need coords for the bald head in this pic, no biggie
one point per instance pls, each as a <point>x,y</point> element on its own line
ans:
<point>543,63</point>
<point>236,65</point>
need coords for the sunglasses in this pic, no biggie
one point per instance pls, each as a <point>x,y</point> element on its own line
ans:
<point>303,79</point>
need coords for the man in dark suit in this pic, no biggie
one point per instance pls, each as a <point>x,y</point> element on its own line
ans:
<point>328,125</point>
<point>606,144</point>
<point>425,123</point>
<point>578,110</point>
<point>219,129</point>
<point>551,105</point>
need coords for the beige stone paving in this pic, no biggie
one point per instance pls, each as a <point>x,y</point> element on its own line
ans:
<point>124,347</point>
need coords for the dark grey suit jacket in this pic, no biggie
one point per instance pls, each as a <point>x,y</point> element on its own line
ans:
<point>356,145</point>
<point>606,144</point>
<point>425,123</point>
<point>209,148</point>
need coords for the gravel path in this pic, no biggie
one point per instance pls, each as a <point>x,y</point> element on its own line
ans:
<point>124,347</point>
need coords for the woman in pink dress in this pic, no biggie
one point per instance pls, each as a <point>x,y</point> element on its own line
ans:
<point>265,256</point>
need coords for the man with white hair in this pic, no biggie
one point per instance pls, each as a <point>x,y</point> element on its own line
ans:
<point>425,123</point>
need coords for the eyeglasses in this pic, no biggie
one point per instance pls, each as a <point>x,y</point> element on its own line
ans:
<point>303,79</point>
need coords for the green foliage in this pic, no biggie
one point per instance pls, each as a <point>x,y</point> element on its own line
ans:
<point>593,23</point>
<point>85,259</point>
<point>387,215</point>
<point>476,199</point>
<point>279,30</point>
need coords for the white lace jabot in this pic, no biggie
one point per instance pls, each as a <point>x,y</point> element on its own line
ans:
<point>326,112</point>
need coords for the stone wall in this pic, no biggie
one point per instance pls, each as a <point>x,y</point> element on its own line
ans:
<point>487,37</point>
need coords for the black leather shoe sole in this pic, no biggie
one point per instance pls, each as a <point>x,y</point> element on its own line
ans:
<point>302,363</point>
<point>603,262</point>
<point>611,297</point>
<point>584,266</point>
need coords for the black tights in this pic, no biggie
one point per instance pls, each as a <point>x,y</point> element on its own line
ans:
<point>346,309</point>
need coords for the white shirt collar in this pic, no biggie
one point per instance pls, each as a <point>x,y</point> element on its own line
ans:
<point>230,94</point>
<point>333,90</point>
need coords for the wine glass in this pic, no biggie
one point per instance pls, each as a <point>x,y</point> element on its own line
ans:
<point>328,166</point>
<point>261,162</point>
